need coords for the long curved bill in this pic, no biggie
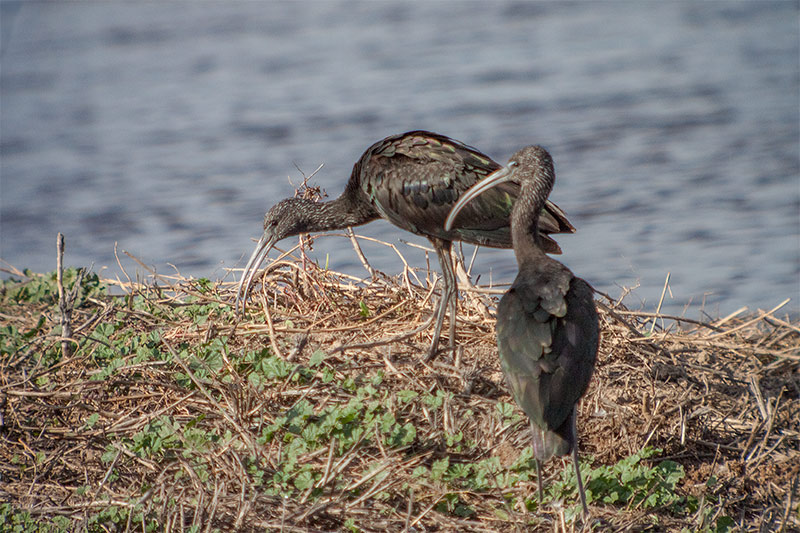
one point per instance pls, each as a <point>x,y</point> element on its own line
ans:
<point>263,247</point>
<point>492,180</point>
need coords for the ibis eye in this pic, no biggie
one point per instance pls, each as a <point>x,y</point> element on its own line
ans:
<point>512,164</point>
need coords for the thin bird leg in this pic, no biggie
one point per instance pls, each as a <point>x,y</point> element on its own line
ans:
<point>453,309</point>
<point>448,278</point>
<point>575,462</point>
<point>453,299</point>
<point>539,481</point>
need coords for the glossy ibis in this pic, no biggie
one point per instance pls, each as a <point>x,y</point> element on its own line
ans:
<point>412,180</point>
<point>547,327</point>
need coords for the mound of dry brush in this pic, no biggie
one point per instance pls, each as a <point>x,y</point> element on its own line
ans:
<point>720,398</point>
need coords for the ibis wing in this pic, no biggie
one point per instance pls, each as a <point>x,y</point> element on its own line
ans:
<point>523,340</point>
<point>577,339</point>
<point>547,359</point>
<point>415,178</point>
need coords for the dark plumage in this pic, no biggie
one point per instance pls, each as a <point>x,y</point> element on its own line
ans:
<point>412,180</point>
<point>547,327</point>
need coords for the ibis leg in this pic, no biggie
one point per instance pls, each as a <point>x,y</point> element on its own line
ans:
<point>453,298</point>
<point>448,296</point>
<point>577,468</point>
<point>539,481</point>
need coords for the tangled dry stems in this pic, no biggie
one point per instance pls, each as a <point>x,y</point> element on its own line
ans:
<point>721,398</point>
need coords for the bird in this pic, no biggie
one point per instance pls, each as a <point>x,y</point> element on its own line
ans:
<point>547,327</point>
<point>412,180</point>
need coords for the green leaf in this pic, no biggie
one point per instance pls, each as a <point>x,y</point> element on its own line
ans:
<point>405,396</point>
<point>725,524</point>
<point>505,409</point>
<point>439,467</point>
<point>109,454</point>
<point>92,420</point>
<point>316,358</point>
<point>304,480</point>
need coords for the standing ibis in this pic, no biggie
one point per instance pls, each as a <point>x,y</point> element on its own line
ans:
<point>547,326</point>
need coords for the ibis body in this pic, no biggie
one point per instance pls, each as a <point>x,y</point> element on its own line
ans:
<point>412,180</point>
<point>547,325</point>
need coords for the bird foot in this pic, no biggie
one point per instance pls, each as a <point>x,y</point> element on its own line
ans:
<point>434,352</point>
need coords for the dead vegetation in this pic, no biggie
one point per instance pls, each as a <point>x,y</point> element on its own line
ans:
<point>315,413</point>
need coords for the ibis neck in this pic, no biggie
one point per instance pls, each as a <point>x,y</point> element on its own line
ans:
<point>345,211</point>
<point>525,218</point>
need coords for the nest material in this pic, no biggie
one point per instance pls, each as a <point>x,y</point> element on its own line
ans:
<point>722,399</point>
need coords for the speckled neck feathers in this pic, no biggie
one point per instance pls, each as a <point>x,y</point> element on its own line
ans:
<point>527,209</point>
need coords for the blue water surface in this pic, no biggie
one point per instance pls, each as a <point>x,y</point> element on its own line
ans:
<point>170,128</point>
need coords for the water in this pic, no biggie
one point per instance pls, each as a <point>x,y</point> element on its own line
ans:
<point>170,128</point>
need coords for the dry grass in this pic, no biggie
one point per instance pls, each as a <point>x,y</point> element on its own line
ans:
<point>721,399</point>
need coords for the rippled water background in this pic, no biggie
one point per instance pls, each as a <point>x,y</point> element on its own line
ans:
<point>171,127</point>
